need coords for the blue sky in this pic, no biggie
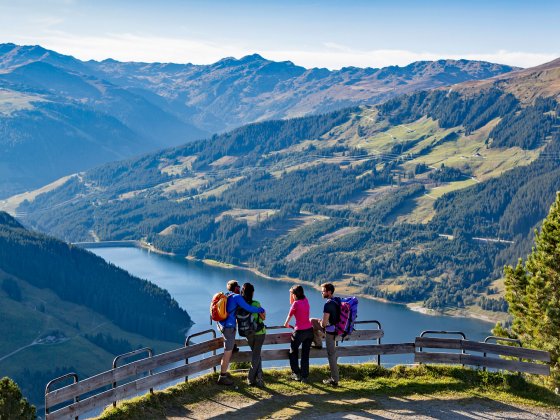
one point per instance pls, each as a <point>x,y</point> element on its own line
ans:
<point>330,34</point>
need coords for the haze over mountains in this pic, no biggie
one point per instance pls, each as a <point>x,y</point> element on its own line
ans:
<point>60,115</point>
<point>409,200</point>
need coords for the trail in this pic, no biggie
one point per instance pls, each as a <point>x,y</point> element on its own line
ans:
<point>34,343</point>
<point>417,407</point>
<point>45,342</point>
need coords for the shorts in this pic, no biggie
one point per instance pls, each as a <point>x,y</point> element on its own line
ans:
<point>229,337</point>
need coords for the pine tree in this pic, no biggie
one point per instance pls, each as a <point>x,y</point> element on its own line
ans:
<point>12,403</point>
<point>533,292</point>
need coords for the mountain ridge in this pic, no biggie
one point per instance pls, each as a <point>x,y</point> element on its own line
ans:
<point>526,84</point>
<point>115,110</point>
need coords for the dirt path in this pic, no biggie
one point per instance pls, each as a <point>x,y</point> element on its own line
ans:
<point>417,407</point>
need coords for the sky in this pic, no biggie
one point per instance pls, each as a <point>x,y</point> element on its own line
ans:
<point>331,34</point>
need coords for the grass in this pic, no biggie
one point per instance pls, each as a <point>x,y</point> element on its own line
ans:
<point>416,210</point>
<point>23,322</point>
<point>361,388</point>
<point>437,192</point>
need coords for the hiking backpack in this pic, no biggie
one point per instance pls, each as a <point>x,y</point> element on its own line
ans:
<point>218,311</point>
<point>246,322</point>
<point>348,314</point>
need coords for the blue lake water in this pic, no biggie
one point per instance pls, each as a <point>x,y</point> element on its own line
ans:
<point>193,284</point>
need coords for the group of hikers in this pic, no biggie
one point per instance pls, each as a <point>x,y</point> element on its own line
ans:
<point>307,332</point>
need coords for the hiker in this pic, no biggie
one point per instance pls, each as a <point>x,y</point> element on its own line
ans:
<point>326,327</point>
<point>302,335</point>
<point>227,328</point>
<point>255,336</point>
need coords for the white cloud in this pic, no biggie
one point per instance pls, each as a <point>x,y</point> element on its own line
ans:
<point>334,56</point>
<point>133,47</point>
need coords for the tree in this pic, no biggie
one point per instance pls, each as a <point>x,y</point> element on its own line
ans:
<point>12,403</point>
<point>533,293</point>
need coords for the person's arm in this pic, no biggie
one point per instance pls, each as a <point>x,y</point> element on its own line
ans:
<point>249,308</point>
<point>325,321</point>
<point>258,305</point>
<point>290,314</point>
<point>327,309</point>
<point>287,322</point>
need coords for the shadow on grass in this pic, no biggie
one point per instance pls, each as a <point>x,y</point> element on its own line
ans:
<point>438,391</point>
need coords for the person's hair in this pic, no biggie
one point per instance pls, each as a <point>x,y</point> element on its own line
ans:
<point>297,291</point>
<point>231,285</point>
<point>247,291</point>
<point>328,287</point>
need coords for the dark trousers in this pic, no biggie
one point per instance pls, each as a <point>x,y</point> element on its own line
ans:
<point>303,338</point>
<point>256,342</point>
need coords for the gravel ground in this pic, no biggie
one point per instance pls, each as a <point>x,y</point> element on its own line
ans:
<point>413,407</point>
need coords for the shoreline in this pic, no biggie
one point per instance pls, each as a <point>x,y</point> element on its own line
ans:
<point>345,289</point>
<point>349,290</point>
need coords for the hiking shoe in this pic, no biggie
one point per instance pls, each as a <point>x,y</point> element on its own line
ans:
<point>225,380</point>
<point>330,382</point>
<point>258,383</point>
<point>295,377</point>
<point>304,380</point>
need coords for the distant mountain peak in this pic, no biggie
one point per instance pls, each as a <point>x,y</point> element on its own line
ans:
<point>252,57</point>
<point>233,62</point>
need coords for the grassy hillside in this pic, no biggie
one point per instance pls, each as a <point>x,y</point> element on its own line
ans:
<point>365,390</point>
<point>31,358</point>
<point>62,310</point>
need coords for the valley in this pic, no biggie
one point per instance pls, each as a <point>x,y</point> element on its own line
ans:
<point>406,152</point>
<point>410,201</point>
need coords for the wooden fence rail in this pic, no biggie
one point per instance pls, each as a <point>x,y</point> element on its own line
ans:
<point>101,390</point>
<point>467,358</point>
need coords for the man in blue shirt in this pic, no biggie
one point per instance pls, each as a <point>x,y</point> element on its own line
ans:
<point>227,327</point>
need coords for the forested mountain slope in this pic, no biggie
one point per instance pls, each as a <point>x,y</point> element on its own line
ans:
<point>62,309</point>
<point>420,199</point>
<point>60,115</point>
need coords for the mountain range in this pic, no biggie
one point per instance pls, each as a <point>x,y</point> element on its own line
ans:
<point>60,115</point>
<point>421,199</point>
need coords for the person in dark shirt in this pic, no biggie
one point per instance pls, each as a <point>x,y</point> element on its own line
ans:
<point>326,326</point>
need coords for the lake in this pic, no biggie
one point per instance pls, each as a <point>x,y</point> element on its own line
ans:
<point>193,284</point>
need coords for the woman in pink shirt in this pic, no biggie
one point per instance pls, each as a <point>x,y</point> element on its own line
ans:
<point>302,335</point>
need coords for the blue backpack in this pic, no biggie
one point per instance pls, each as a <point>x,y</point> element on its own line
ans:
<point>348,314</point>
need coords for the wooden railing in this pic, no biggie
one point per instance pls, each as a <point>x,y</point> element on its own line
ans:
<point>154,371</point>
<point>467,347</point>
